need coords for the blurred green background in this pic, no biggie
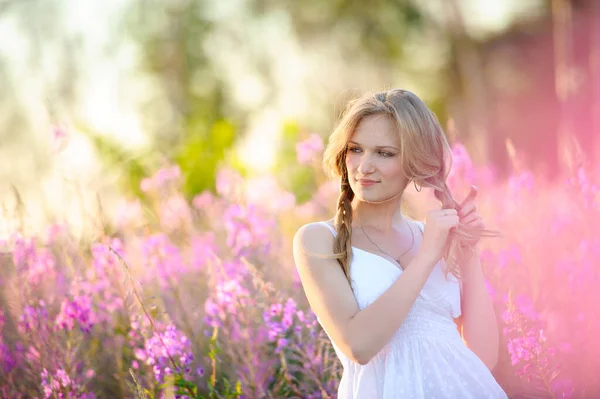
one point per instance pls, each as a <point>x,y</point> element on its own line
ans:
<point>97,95</point>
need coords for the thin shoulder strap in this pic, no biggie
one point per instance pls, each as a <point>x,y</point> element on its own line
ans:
<point>330,227</point>
<point>421,226</point>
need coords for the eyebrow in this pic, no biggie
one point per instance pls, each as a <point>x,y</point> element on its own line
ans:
<point>377,147</point>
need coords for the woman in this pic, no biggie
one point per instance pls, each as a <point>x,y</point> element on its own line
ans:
<point>386,289</point>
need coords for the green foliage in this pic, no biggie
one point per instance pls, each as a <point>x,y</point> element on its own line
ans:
<point>219,387</point>
<point>298,179</point>
<point>197,136</point>
<point>377,28</point>
<point>201,152</point>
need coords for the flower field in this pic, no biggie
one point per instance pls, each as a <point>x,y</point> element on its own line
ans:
<point>200,298</point>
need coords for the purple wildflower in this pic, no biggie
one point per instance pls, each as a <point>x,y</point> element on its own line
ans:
<point>164,258</point>
<point>228,297</point>
<point>59,384</point>
<point>162,349</point>
<point>204,248</point>
<point>77,311</point>
<point>285,321</point>
<point>34,319</point>
<point>247,227</point>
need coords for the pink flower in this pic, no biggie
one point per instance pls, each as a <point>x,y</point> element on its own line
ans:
<point>307,149</point>
<point>265,191</point>
<point>161,179</point>
<point>460,158</point>
<point>41,267</point>
<point>522,181</point>
<point>228,182</point>
<point>129,213</point>
<point>77,311</point>
<point>162,347</point>
<point>327,193</point>
<point>146,185</point>
<point>174,212</point>
<point>60,139</point>
<point>204,248</point>
<point>247,227</point>
<point>203,200</point>
<point>53,231</point>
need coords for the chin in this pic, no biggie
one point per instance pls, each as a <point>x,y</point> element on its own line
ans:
<point>366,197</point>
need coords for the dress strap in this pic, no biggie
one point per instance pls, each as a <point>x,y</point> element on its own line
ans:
<point>330,227</point>
<point>421,226</point>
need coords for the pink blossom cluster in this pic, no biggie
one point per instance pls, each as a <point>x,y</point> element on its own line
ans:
<point>161,179</point>
<point>308,149</point>
<point>223,305</point>
<point>167,352</point>
<point>60,385</point>
<point>211,286</point>
<point>285,320</point>
<point>247,227</point>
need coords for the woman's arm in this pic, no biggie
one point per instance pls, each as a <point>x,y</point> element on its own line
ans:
<point>480,327</point>
<point>360,334</point>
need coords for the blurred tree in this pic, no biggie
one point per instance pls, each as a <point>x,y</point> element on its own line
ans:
<point>377,28</point>
<point>191,116</point>
<point>193,111</point>
<point>186,116</point>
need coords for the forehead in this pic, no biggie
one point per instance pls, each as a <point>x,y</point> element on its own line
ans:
<point>376,130</point>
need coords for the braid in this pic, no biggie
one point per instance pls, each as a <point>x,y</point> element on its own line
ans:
<point>343,224</point>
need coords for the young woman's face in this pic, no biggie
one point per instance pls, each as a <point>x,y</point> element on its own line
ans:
<point>373,160</point>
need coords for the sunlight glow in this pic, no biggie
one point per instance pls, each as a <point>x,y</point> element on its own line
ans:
<point>257,150</point>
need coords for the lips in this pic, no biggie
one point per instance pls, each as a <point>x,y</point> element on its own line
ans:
<point>366,182</point>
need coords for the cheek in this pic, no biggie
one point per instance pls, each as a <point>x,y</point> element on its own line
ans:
<point>391,169</point>
<point>351,162</point>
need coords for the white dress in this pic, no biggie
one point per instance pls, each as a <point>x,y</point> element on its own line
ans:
<point>426,357</point>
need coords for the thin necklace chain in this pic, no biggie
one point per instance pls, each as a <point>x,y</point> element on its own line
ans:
<point>404,253</point>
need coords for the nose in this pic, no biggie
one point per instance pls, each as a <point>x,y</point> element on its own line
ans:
<point>365,166</point>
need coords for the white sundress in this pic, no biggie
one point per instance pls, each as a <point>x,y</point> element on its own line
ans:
<point>426,357</point>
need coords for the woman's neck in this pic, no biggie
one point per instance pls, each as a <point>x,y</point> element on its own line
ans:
<point>380,217</point>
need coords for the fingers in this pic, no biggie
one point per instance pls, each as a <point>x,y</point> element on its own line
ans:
<point>452,222</point>
<point>450,218</point>
<point>470,218</point>
<point>470,197</point>
<point>468,205</point>
<point>472,194</point>
<point>467,209</point>
<point>444,212</point>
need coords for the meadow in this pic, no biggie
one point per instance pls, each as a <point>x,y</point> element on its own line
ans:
<point>198,298</point>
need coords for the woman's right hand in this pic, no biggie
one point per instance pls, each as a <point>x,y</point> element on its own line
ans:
<point>438,224</point>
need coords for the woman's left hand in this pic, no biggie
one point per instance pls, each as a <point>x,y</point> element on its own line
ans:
<point>468,216</point>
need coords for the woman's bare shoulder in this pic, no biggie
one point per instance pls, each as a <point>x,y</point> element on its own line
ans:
<point>315,237</point>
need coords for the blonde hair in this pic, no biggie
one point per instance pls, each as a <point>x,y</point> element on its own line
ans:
<point>425,155</point>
